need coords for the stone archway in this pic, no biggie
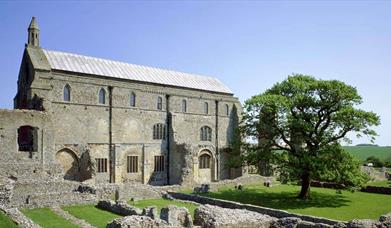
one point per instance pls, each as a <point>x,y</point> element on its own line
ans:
<point>70,164</point>
<point>206,167</point>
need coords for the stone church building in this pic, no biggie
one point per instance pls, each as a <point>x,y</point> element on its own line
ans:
<point>116,122</point>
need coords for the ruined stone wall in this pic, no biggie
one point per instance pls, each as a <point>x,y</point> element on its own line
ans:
<point>15,163</point>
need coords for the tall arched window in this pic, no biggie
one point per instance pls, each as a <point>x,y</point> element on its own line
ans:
<point>159,103</point>
<point>184,106</point>
<point>132,99</point>
<point>67,93</point>
<point>159,131</point>
<point>102,96</point>
<point>226,110</point>
<point>206,108</point>
<point>204,161</point>
<point>206,133</point>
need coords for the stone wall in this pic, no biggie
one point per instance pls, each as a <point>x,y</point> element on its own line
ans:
<point>262,210</point>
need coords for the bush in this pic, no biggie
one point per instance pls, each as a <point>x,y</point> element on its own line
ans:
<point>375,161</point>
<point>387,162</point>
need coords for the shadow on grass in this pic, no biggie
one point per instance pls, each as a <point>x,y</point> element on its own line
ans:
<point>281,200</point>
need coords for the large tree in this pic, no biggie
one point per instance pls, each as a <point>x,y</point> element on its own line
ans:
<point>298,125</point>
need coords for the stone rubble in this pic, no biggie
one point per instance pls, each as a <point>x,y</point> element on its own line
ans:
<point>119,207</point>
<point>19,218</point>
<point>176,216</point>
<point>135,221</point>
<point>209,216</point>
<point>150,212</point>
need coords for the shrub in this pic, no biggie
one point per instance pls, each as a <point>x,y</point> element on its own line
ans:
<point>375,161</point>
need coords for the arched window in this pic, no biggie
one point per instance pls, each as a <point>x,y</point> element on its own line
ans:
<point>204,161</point>
<point>206,108</point>
<point>184,106</point>
<point>132,99</point>
<point>159,131</point>
<point>159,103</point>
<point>67,93</point>
<point>226,110</point>
<point>206,133</point>
<point>102,96</point>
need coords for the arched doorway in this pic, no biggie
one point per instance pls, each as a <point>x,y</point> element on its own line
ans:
<point>205,167</point>
<point>70,164</point>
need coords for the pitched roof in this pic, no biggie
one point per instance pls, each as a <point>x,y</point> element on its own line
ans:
<point>109,68</point>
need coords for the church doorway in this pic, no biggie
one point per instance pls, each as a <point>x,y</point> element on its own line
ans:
<point>70,164</point>
<point>205,167</point>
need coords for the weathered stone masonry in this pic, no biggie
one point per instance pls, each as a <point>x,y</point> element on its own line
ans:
<point>85,138</point>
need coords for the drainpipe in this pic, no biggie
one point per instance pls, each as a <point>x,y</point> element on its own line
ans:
<point>217,141</point>
<point>168,125</point>
<point>111,151</point>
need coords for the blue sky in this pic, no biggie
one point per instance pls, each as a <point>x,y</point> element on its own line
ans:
<point>248,45</point>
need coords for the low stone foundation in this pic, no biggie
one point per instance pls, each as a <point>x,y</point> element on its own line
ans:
<point>19,218</point>
<point>262,210</point>
<point>208,216</point>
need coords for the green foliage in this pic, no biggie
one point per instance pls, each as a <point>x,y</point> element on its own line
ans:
<point>375,161</point>
<point>323,203</point>
<point>47,218</point>
<point>160,203</point>
<point>91,214</point>
<point>6,222</point>
<point>387,162</point>
<point>298,125</point>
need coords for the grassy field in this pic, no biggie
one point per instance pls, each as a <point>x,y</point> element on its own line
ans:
<point>160,203</point>
<point>47,218</point>
<point>363,152</point>
<point>91,214</point>
<point>324,202</point>
<point>6,222</point>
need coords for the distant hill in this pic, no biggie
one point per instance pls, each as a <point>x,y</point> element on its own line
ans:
<point>366,144</point>
<point>362,152</point>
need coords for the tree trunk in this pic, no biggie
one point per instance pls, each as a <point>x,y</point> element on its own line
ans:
<point>305,186</point>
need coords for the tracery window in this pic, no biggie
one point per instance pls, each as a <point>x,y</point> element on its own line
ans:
<point>206,133</point>
<point>159,131</point>
<point>159,164</point>
<point>101,164</point>
<point>204,161</point>
<point>132,164</point>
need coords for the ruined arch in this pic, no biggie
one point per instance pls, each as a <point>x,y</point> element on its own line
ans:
<point>70,164</point>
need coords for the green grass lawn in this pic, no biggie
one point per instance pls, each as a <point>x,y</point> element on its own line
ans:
<point>363,152</point>
<point>6,222</point>
<point>47,218</point>
<point>384,183</point>
<point>324,202</point>
<point>160,203</point>
<point>91,214</point>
